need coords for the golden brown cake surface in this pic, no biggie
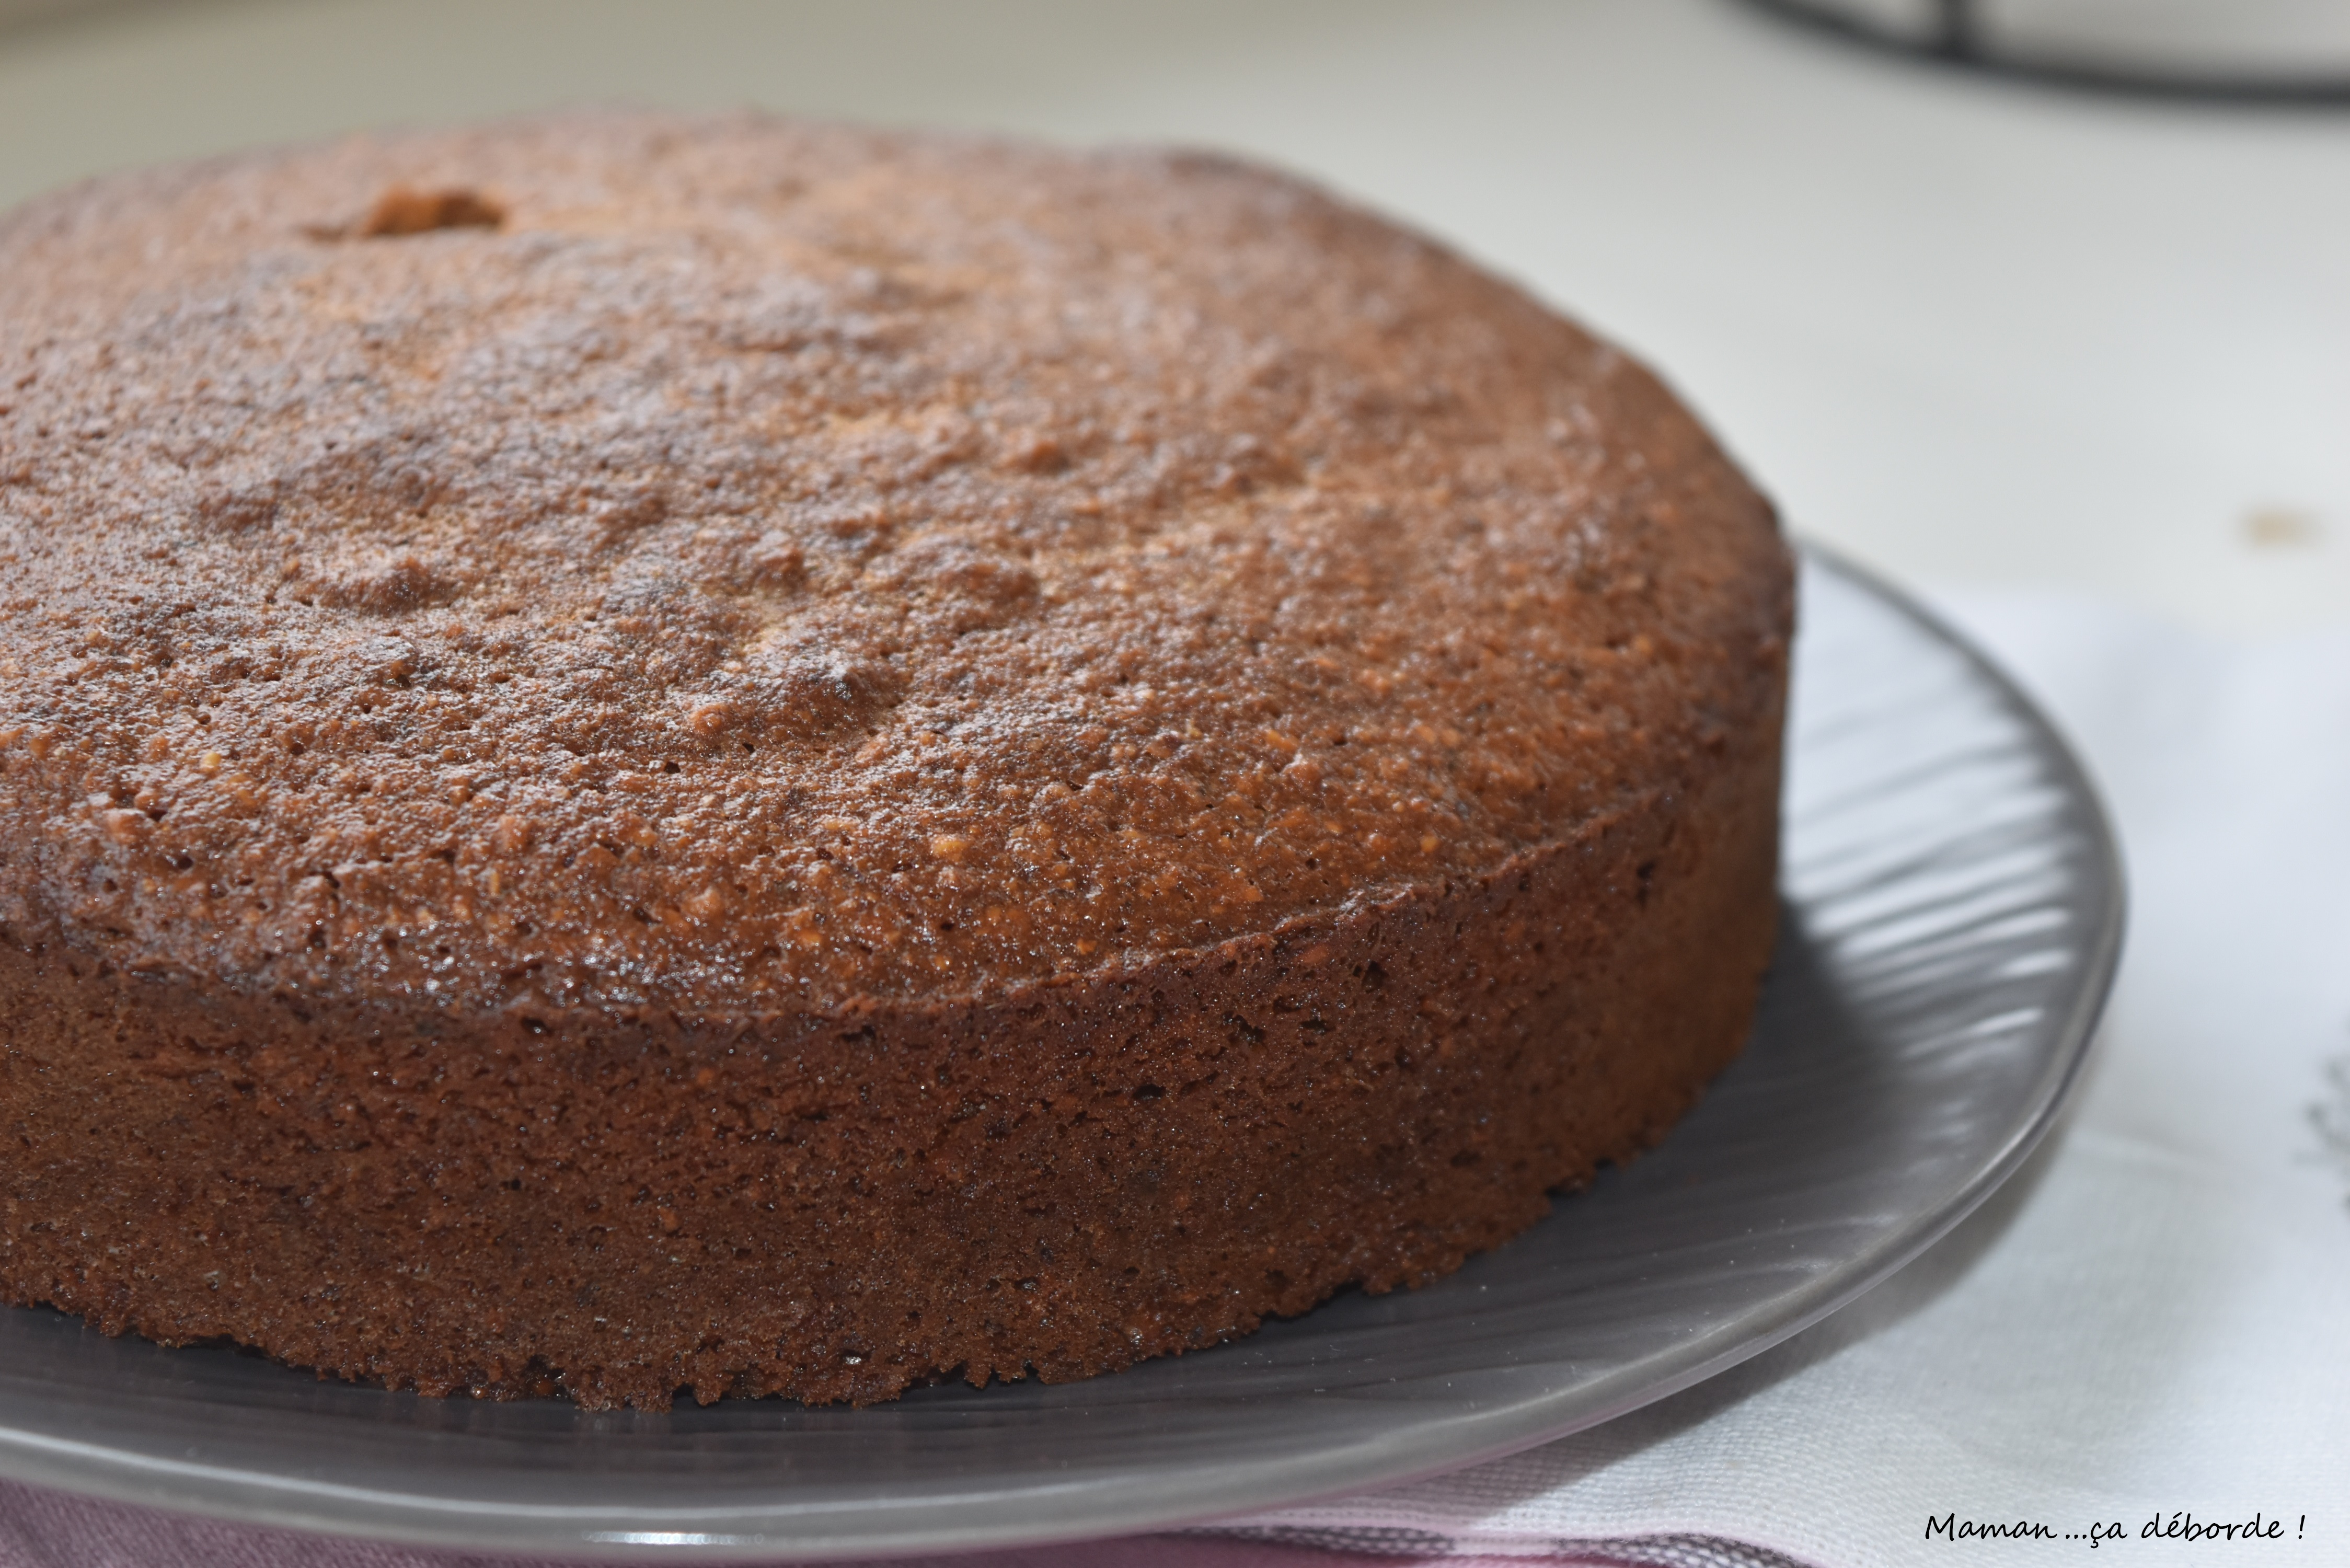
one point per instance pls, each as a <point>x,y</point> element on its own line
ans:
<point>640,752</point>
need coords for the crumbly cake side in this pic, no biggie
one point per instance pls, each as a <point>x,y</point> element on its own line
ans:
<point>641,752</point>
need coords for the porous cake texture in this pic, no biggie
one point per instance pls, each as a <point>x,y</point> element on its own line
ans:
<point>643,754</point>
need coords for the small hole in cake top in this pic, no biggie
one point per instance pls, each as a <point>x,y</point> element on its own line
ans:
<point>404,210</point>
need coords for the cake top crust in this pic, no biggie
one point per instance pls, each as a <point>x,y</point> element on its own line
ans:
<point>732,565</point>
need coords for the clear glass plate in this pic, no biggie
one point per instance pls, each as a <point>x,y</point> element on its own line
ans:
<point>1953,913</point>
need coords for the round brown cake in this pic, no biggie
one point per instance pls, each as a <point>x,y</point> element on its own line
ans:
<point>643,753</point>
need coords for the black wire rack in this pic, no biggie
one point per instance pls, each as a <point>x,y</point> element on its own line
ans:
<point>1957,35</point>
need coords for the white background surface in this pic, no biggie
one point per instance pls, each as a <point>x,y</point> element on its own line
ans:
<point>1971,332</point>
